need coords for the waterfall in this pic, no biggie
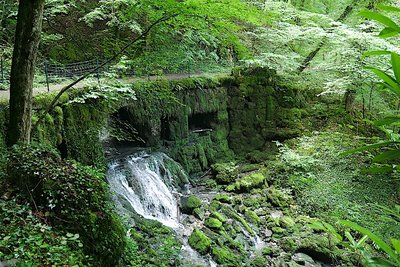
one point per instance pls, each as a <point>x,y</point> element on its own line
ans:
<point>148,184</point>
<point>144,182</point>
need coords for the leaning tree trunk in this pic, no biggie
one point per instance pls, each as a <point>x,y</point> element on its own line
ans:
<point>27,38</point>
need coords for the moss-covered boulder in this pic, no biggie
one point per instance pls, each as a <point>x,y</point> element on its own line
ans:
<point>225,173</point>
<point>219,216</point>
<point>213,223</point>
<point>188,204</point>
<point>252,217</point>
<point>223,198</point>
<point>248,182</point>
<point>225,256</point>
<point>287,222</point>
<point>199,241</point>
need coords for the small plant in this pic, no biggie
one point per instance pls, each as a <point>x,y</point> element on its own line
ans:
<point>392,251</point>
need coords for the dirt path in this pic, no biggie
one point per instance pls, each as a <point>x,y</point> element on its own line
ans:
<point>5,95</point>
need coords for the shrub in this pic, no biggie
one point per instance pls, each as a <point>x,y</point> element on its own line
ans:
<point>72,197</point>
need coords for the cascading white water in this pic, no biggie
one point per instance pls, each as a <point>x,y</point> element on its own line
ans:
<point>144,182</point>
<point>141,180</point>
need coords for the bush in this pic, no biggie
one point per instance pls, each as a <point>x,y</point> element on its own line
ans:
<point>72,197</point>
<point>27,241</point>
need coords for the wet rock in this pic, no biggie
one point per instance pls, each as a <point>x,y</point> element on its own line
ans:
<point>276,214</point>
<point>199,213</point>
<point>267,233</point>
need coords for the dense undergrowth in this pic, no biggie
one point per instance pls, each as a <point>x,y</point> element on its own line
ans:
<point>332,187</point>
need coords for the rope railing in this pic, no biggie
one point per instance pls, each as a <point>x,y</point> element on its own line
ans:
<point>71,70</point>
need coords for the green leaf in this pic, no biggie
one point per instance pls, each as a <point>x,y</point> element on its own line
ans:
<point>376,53</point>
<point>362,240</point>
<point>388,8</point>
<point>388,32</point>
<point>376,170</point>
<point>378,241</point>
<point>350,238</point>
<point>385,77</point>
<point>388,155</point>
<point>379,262</point>
<point>368,147</point>
<point>387,121</point>
<point>380,18</point>
<point>396,245</point>
<point>396,65</point>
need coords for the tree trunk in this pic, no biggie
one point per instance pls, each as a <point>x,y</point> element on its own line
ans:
<point>27,38</point>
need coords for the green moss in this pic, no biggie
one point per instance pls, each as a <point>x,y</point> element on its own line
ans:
<point>214,205</point>
<point>199,241</point>
<point>223,198</point>
<point>278,198</point>
<point>193,202</point>
<point>252,217</point>
<point>225,256</point>
<point>213,223</point>
<point>259,261</point>
<point>246,183</point>
<point>188,204</point>
<point>267,251</point>
<point>287,222</point>
<point>219,216</point>
<point>225,172</point>
<point>231,213</point>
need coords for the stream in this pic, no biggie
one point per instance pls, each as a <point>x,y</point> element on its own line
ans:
<point>143,183</point>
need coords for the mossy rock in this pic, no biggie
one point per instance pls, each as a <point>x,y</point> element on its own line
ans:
<point>259,261</point>
<point>188,204</point>
<point>278,198</point>
<point>199,213</point>
<point>252,217</point>
<point>267,251</point>
<point>214,205</point>
<point>223,198</point>
<point>225,173</point>
<point>225,256</point>
<point>199,241</point>
<point>213,223</point>
<point>287,222</point>
<point>246,183</point>
<point>219,216</point>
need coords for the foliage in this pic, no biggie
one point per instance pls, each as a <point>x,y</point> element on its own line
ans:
<point>333,187</point>
<point>71,197</point>
<point>26,239</point>
<point>391,250</point>
<point>389,80</point>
